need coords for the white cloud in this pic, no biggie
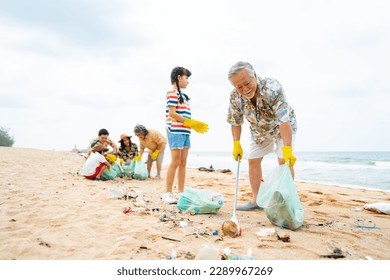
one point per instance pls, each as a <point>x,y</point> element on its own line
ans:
<point>61,81</point>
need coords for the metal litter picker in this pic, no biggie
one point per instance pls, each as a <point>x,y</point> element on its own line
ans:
<point>232,227</point>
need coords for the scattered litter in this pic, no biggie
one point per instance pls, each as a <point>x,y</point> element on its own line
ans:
<point>228,255</point>
<point>173,255</point>
<point>373,226</point>
<point>208,253</point>
<point>239,258</point>
<point>229,228</point>
<point>171,239</point>
<point>227,251</point>
<point>183,224</point>
<point>144,247</point>
<point>360,224</point>
<point>140,202</point>
<point>116,193</point>
<point>210,169</point>
<point>43,243</point>
<point>215,232</point>
<point>201,231</point>
<point>266,232</point>
<point>121,238</point>
<point>356,209</point>
<point>226,171</point>
<point>189,256</point>
<point>284,236</point>
<point>127,210</point>
<point>165,218</point>
<point>380,207</point>
<point>369,258</point>
<point>336,254</point>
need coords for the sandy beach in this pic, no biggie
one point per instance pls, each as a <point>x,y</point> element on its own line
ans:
<point>49,212</point>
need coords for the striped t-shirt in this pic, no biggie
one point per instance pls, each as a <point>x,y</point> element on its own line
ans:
<point>183,109</point>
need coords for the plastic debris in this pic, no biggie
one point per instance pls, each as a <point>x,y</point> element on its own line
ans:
<point>266,232</point>
<point>183,224</point>
<point>208,253</point>
<point>380,207</point>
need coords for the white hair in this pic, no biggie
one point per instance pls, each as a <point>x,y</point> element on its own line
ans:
<point>241,65</point>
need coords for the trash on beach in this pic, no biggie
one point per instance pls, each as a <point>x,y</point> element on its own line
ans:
<point>229,228</point>
<point>210,169</point>
<point>225,171</point>
<point>170,239</point>
<point>140,171</point>
<point>173,255</point>
<point>140,202</point>
<point>165,218</point>
<point>380,207</point>
<point>183,224</point>
<point>43,243</point>
<point>208,253</point>
<point>117,193</point>
<point>266,232</point>
<point>200,201</point>
<point>283,235</point>
<point>127,210</point>
<point>279,198</point>
<point>337,253</point>
<point>121,238</point>
<point>362,225</point>
<point>228,255</point>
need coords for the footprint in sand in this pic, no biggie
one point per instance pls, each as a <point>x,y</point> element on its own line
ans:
<point>316,203</point>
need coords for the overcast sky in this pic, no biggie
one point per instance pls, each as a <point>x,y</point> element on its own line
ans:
<point>71,67</point>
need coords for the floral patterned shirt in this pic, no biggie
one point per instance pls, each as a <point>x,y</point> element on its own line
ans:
<point>129,153</point>
<point>270,111</point>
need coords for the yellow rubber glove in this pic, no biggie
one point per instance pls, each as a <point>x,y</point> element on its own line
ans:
<point>138,157</point>
<point>198,126</point>
<point>111,158</point>
<point>237,150</point>
<point>154,155</point>
<point>288,156</point>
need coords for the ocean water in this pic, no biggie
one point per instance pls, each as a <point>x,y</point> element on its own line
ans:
<point>353,169</point>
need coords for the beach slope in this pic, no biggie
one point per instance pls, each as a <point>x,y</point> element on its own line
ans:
<point>49,212</point>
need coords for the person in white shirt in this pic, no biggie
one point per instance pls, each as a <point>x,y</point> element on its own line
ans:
<point>95,163</point>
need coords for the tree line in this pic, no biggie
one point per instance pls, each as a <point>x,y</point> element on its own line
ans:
<point>5,139</point>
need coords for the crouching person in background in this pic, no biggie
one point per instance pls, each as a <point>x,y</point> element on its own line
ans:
<point>96,163</point>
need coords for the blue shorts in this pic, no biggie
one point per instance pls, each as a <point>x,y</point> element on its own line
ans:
<point>179,141</point>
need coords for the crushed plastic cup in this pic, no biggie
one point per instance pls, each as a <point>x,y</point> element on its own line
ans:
<point>266,232</point>
<point>183,224</point>
<point>117,193</point>
<point>208,253</point>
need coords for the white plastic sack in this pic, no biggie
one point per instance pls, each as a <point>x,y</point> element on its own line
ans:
<point>140,171</point>
<point>381,207</point>
<point>279,198</point>
<point>200,201</point>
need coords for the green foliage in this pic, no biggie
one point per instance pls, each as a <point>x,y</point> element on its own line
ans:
<point>5,139</point>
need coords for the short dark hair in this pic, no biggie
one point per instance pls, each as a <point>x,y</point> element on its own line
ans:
<point>103,131</point>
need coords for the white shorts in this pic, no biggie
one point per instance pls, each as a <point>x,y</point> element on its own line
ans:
<point>267,147</point>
